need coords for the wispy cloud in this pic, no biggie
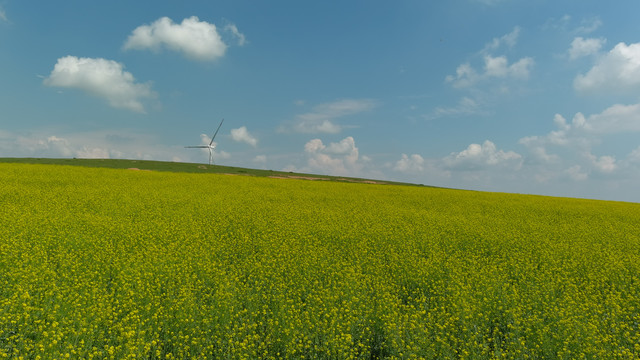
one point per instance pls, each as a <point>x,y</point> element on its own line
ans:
<point>321,119</point>
<point>490,2</point>
<point>3,14</point>
<point>233,29</point>
<point>567,23</point>
<point>196,39</point>
<point>465,106</point>
<point>102,78</point>
<point>510,40</point>
<point>589,25</point>
<point>116,144</point>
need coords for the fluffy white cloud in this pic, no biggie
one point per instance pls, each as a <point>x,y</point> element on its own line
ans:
<point>583,132</point>
<point>196,39</point>
<point>617,71</point>
<point>494,67</point>
<point>321,118</point>
<point>100,77</point>
<point>572,145</point>
<point>346,147</point>
<point>499,67</point>
<point>242,135</point>
<point>567,135</point>
<point>341,158</point>
<point>615,119</point>
<point>477,156</point>
<point>603,164</point>
<point>413,163</point>
<point>314,146</point>
<point>583,47</point>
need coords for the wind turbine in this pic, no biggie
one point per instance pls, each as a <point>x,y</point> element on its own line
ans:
<point>211,145</point>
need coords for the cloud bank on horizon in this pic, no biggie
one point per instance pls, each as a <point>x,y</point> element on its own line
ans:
<point>549,106</point>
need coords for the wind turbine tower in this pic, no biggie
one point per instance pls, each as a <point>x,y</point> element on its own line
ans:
<point>211,145</point>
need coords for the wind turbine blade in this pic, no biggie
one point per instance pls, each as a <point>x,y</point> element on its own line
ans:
<point>197,147</point>
<point>216,133</point>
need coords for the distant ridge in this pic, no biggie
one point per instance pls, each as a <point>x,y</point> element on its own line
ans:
<point>193,168</point>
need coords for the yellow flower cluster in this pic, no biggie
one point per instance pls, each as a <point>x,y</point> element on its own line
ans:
<point>118,264</point>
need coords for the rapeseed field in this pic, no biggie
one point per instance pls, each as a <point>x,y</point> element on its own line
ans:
<point>120,264</point>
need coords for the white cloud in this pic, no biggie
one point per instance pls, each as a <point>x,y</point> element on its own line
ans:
<point>555,23</point>
<point>100,77</point>
<point>56,145</point>
<point>93,153</point>
<point>413,163</point>
<point>617,71</point>
<point>465,76</point>
<point>615,119</point>
<point>321,118</point>
<point>465,106</point>
<point>196,39</point>
<point>340,158</point>
<point>3,14</point>
<point>567,150</point>
<point>603,164</point>
<point>261,159</point>
<point>242,135</point>
<point>346,147</point>
<point>313,146</point>
<point>499,67</point>
<point>583,131</point>
<point>99,144</point>
<point>491,2</point>
<point>494,67</point>
<point>509,39</point>
<point>575,172</point>
<point>572,137</point>
<point>584,47</point>
<point>589,25</point>
<point>233,29</point>
<point>477,156</point>
<point>634,156</point>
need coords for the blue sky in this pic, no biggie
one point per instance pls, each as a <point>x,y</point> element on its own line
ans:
<point>537,97</point>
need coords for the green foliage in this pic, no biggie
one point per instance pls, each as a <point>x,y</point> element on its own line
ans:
<point>184,168</point>
<point>103,263</point>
